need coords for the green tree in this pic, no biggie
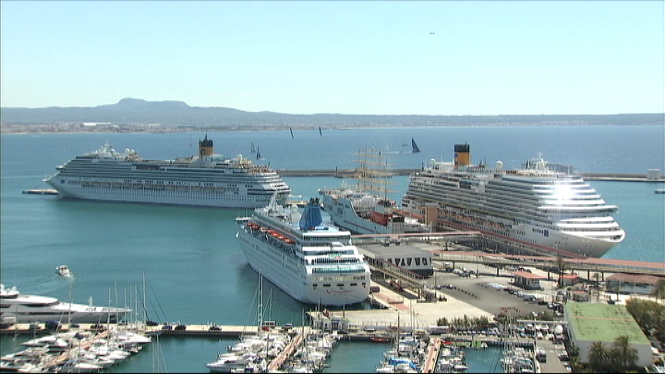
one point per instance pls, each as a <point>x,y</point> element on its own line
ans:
<point>561,267</point>
<point>649,315</point>
<point>623,354</point>
<point>659,290</point>
<point>599,358</point>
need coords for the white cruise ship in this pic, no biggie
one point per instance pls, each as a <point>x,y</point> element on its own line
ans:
<point>18,308</point>
<point>204,180</point>
<point>312,262</point>
<point>553,212</point>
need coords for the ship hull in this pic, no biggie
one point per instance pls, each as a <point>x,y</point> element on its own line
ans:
<point>343,215</point>
<point>120,191</point>
<point>557,243</point>
<point>292,277</point>
<point>79,314</point>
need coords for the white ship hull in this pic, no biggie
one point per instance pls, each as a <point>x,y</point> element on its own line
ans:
<point>557,241</point>
<point>19,308</point>
<point>347,218</point>
<point>536,207</point>
<point>119,191</point>
<point>207,180</point>
<point>343,214</point>
<point>294,279</point>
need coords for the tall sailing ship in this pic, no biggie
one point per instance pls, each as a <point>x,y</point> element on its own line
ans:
<point>313,262</point>
<point>204,180</point>
<point>364,208</point>
<point>551,211</point>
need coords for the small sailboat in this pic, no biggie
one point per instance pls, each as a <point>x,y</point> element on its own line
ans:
<point>414,146</point>
<point>320,133</point>
<point>291,129</point>
<point>253,148</point>
<point>258,154</point>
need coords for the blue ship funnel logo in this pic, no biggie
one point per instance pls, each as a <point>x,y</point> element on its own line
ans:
<point>311,216</point>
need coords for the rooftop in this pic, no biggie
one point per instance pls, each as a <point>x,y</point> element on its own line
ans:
<point>603,322</point>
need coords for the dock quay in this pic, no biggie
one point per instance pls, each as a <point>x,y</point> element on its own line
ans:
<point>162,329</point>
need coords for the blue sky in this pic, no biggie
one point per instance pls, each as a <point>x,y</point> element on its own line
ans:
<point>304,57</point>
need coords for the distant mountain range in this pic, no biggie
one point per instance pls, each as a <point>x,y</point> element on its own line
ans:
<point>177,113</point>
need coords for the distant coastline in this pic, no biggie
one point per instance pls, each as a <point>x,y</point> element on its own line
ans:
<point>141,116</point>
<point>163,129</point>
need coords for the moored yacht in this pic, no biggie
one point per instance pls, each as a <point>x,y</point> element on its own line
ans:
<point>19,308</point>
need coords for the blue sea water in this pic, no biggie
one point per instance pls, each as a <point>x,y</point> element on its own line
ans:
<point>193,268</point>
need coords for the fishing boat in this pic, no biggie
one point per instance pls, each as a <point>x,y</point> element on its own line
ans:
<point>208,179</point>
<point>313,262</point>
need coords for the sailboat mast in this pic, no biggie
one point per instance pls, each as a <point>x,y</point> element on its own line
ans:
<point>260,308</point>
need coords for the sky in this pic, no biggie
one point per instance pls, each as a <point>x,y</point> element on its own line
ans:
<point>348,57</point>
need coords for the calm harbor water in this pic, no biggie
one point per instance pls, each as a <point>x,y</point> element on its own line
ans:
<point>194,270</point>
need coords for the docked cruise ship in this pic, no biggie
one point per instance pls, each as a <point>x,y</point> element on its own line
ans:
<point>19,308</point>
<point>204,180</point>
<point>365,213</point>
<point>313,262</point>
<point>365,208</point>
<point>550,211</point>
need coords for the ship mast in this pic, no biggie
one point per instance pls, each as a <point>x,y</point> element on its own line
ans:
<point>372,172</point>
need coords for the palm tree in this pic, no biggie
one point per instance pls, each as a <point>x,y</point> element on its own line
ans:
<point>596,277</point>
<point>599,357</point>
<point>659,290</point>
<point>561,266</point>
<point>624,354</point>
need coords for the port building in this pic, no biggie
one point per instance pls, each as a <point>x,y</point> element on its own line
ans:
<point>590,323</point>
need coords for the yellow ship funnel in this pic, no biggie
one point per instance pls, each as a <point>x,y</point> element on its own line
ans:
<point>462,155</point>
<point>205,147</point>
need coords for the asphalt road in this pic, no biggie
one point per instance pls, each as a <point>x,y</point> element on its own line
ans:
<point>474,291</point>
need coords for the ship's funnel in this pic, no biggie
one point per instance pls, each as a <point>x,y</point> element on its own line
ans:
<point>462,155</point>
<point>311,216</point>
<point>205,147</point>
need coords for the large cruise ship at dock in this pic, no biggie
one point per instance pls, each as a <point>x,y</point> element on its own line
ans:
<point>552,211</point>
<point>313,262</point>
<point>205,180</point>
<point>364,208</point>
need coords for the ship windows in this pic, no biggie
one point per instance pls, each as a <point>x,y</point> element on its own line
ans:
<point>353,284</point>
<point>326,285</point>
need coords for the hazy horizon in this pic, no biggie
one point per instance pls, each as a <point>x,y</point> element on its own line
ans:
<point>439,58</point>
